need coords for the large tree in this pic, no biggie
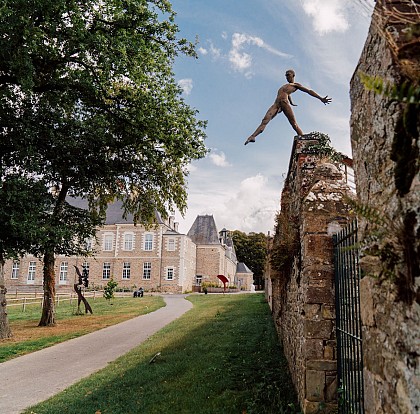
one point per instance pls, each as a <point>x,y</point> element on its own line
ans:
<point>88,102</point>
<point>251,249</point>
<point>23,203</point>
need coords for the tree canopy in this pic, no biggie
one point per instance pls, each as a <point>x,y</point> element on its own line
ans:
<point>251,249</point>
<point>89,100</point>
<point>89,105</point>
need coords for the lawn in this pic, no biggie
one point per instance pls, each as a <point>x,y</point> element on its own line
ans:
<point>222,356</point>
<point>29,337</point>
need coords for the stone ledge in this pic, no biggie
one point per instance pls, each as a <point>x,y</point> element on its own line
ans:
<point>322,365</point>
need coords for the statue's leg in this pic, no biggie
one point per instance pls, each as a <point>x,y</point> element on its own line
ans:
<point>271,113</point>
<point>287,109</point>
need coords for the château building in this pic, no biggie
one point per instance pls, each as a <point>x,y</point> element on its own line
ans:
<point>158,258</point>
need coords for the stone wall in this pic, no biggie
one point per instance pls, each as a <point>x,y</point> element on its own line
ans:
<point>302,288</point>
<point>385,144</point>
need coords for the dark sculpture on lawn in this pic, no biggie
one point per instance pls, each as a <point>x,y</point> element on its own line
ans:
<point>83,282</point>
<point>284,103</point>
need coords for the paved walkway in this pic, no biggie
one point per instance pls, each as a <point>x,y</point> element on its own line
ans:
<point>33,378</point>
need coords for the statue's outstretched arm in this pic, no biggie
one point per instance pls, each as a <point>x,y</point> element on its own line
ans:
<point>325,100</point>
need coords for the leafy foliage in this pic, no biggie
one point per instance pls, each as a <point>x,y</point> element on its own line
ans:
<point>323,147</point>
<point>251,249</point>
<point>25,205</point>
<point>90,103</point>
<point>285,243</point>
<point>109,289</point>
<point>407,92</point>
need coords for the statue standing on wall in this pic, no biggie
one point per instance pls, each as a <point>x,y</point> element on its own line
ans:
<point>284,103</point>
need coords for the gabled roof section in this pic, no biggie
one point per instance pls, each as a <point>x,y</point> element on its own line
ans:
<point>204,231</point>
<point>114,211</point>
<point>243,268</point>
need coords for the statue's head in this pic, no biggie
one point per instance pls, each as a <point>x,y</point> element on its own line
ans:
<point>290,72</point>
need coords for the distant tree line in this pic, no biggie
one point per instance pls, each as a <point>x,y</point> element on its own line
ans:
<point>251,249</point>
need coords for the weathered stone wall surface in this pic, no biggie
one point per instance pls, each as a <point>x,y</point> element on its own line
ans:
<point>385,144</point>
<point>303,292</point>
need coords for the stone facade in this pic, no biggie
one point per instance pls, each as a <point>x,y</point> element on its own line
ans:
<point>385,144</point>
<point>158,258</point>
<point>244,278</point>
<point>215,251</point>
<point>302,290</point>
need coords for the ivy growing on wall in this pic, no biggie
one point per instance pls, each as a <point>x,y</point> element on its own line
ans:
<point>324,148</point>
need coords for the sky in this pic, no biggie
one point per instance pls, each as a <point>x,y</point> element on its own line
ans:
<point>244,49</point>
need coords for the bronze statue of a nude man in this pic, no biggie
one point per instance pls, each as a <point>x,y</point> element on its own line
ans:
<point>284,103</point>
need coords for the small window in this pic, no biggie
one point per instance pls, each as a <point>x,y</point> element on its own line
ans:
<point>126,270</point>
<point>15,270</point>
<point>64,266</point>
<point>170,273</point>
<point>108,242</point>
<point>31,272</point>
<point>171,245</point>
<point>128,241</point>
<point>148,242</point>
<point>106,270</point>
<point>147,270</point>
<point>198,279</point>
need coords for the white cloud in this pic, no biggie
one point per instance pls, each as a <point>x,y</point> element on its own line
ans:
<point>186,85</point>
<point>252,207</point>
<point>224,35</point>
<point>248,205</point>
<point>328,15</point>
<point>203,51</point>
<point>219,158</point>
<point>240,60</point>
<point>214,51</point>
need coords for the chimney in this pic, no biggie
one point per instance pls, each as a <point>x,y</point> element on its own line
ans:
<point>176,226</point>
<point>171,221</point>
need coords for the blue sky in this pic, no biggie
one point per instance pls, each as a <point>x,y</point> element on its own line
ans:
<point>245,48</point>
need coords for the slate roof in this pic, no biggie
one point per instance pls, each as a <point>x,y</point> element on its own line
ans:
<point>243,268</point>
<point>204,231</point>
<point>114,212</point>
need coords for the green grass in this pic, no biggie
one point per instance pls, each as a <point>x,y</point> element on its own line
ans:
<point>223,356</point>
<point>100,306</point>
<point>28,337</point>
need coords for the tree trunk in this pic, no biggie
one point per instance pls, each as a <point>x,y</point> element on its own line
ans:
<point>48,306</point>
<point>5,331</point>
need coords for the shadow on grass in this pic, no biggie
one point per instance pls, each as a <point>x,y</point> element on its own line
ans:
<point>222,356</point>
